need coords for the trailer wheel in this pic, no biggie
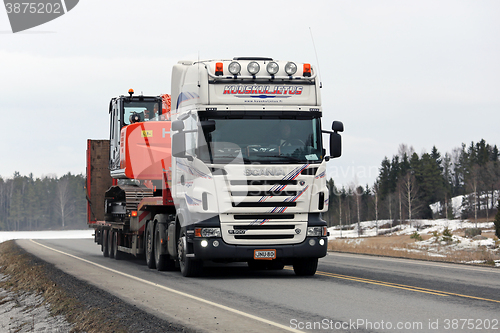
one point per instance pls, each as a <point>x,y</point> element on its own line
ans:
<point>163,261</point>
<point>110,243</point>
<point>149,251</point>
<point>116,253</point>
<point>104,244</point>
<point>189,266</point>
<point>305,266</point>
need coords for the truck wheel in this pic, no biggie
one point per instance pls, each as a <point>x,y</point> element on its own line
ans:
<point>110,243</point>
<point>117,254</point>
<point>305,266</point>
<point>149,250</point>
<point>162,261</point>
<point>189,266</point>
<point>104,244</point>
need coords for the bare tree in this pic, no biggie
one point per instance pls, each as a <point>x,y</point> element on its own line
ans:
<point>409,191</point>
<point>375,198</point>
<point>472,185</point>
<point>63,200</point>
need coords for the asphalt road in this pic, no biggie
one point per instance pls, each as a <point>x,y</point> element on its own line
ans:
<point>349,293</point>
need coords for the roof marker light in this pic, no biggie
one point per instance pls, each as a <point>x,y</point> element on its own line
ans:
<point>234,68</point>
<point>290,68</point>
<point>272,68</point>
<point>218,69</point>
<point>253,67</point>
<point>307,69</point>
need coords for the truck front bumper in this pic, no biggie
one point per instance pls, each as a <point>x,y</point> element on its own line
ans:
<point>217,249</point>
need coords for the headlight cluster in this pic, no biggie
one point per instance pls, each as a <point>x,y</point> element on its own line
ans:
<point>316,231</point>
<point>207,232</point>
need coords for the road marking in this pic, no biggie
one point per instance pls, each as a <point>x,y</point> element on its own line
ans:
<point>419,262</point>
<point>220,306</point>
<point>401,286</point>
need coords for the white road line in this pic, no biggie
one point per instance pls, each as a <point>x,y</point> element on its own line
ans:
<point>220,306</point>
<point>417,262</point>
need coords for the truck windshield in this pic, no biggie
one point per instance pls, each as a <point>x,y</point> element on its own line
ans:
<point>264,140</point>
<point>145,110</point>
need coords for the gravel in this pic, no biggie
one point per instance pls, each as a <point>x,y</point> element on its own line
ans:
<point>28,312</point>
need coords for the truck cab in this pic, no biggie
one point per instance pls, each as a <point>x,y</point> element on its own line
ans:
<point>249,163</point>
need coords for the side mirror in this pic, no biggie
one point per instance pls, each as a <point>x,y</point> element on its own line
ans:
<point>337,126</point>
<point>178,144</point>
<point>177,125</point>
<point>336,139</point>
<point>335,145</point>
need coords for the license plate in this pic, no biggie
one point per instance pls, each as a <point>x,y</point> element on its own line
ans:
<point>264,254</point>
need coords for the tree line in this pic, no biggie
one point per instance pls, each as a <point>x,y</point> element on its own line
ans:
<point>43,203</point>
<point>408,183</point>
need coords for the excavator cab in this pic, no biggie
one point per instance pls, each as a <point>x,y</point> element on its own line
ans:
<point>127,110</point>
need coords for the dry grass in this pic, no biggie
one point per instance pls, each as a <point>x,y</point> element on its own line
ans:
<point>402,246</point>
<point>26,275</point>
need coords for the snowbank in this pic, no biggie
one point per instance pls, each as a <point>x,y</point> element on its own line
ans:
<point>50,234</point>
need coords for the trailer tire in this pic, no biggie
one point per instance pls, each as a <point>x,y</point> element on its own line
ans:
<point>305,266</point>
<point>190,267</point>
<point>116,253</point>
<point>110,244</point>
<point>149,246</point>
<point>163,261</point>
<point>104,244</point>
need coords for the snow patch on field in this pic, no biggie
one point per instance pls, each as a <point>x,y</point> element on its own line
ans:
<point>434,246</point>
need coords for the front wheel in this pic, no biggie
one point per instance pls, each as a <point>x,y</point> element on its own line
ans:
<point>305,266</point>
<point>189,266</point>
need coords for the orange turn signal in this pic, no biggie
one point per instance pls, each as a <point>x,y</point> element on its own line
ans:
<point>307,69</point>
<point>218,68</point>
<point>133,213</point>
<point>197,232</point>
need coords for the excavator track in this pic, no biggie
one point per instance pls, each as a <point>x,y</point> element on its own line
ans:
<point>122,199</point>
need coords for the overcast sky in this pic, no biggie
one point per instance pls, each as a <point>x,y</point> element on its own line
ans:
<point>420,72</point>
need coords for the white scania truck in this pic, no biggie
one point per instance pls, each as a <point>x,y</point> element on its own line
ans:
<point>242,159</point>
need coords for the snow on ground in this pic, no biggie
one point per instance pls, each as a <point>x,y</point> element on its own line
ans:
<point>26,312</point>
<point>456,203</point>
<point>434,246</point>
<point>49,234</point>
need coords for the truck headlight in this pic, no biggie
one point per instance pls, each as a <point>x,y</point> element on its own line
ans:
<point>234,68</point>
<point>316,231</point>
<point>207,232</point>
<point>290,68</point>
<point>253,68</point>
<point>272,68</point>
